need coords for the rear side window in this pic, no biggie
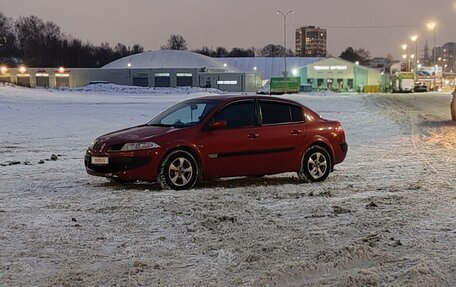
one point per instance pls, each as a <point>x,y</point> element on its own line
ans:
<point>238,115</point>
<point>279,113</point>
<point>296,114</point>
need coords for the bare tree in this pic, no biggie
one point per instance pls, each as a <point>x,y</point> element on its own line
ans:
<point>8,47</point>
<point>206,51</point>
<point>239,52</point>
<point>360,55</point>
<point>175,42</point>
<point>272,50</point>
<point>221,52</point>
<point>137,49</point>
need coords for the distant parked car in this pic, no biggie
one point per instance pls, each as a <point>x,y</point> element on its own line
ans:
<point>221,136</point>
<point>420,87</point>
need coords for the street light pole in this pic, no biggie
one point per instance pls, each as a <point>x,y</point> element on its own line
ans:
<point>129,73</point>
<point>285,72</point>
<point>434,52</point>
<point>414,38</point>
<point>432,26</point>
<point>404,47</point>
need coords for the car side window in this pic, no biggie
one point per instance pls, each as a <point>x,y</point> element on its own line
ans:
<point>280,113</point>
<point>275,113</point>
<point>237,115</point>
<point>297,114</point>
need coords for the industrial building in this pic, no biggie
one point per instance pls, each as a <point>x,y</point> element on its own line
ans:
<point>317,74</point>
<point>163,68</point>
<point>268,67</point>
<point>170,68</point>
<point>310,41</point>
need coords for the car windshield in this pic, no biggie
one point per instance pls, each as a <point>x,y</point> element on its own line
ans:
<point>185,114</point>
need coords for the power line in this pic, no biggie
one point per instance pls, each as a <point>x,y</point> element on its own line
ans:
<point>372,27</point>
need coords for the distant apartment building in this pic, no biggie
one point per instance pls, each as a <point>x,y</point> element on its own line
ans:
<point>311,41</point>
<point>447,57</point>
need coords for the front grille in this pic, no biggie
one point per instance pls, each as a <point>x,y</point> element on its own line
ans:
<point>117,164</point>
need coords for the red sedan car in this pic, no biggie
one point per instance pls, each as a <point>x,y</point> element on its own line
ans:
<point>221,136</point>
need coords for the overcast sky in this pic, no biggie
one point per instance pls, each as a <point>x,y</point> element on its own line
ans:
<point>245,23</point>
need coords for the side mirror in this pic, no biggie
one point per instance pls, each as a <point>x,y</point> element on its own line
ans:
<point>218,125</point>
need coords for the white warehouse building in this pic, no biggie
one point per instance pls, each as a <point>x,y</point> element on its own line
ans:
<point>163,68</point>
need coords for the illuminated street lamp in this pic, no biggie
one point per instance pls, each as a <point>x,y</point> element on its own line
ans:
<point>404,57</point>
<point>61,70</point>
<point>129,71</point>
<point>404,47</point>
<point>285,72</point>
<point>22,69</point>
<point>3,69</point>
<point>414,38</point>
<point>432,27</point>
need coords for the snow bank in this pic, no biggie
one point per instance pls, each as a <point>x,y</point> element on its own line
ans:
<point>123,90</point>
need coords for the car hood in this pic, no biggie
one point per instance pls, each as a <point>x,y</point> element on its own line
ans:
<point>134,134</point>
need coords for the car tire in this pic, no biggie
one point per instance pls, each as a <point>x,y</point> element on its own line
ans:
<point>315,165</point>
<point>179,170</point>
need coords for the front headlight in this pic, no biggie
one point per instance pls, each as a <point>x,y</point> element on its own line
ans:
<point>138,146</point>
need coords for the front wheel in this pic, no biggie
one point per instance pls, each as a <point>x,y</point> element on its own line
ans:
<point>315,165</point>
<point>178,171</point>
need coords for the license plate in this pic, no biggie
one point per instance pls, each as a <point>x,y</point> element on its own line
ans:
<point>98,160</point>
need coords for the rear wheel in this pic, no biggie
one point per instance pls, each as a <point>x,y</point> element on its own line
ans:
<point>315,165</point>
<point>179,170</point>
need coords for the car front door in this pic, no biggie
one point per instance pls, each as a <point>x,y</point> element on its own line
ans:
<point>233,149</point>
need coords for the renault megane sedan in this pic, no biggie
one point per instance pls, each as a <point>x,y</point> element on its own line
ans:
<point>221,136</point>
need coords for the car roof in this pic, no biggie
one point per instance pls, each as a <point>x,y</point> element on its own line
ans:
<point>233,98</point>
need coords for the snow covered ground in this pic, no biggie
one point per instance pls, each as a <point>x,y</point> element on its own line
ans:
<point>386,216</point>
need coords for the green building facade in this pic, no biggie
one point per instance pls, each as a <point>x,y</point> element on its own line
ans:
<point>338,75</point>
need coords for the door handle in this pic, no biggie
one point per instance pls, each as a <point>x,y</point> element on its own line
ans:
<point>253,136</point>
<point>296,132</point>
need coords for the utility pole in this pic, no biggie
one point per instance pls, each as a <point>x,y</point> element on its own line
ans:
<point>285,72</point>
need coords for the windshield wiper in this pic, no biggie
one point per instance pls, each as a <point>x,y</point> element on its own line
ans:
<point>159,125</point>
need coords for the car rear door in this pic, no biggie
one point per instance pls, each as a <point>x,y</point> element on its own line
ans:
<point>282,134</point>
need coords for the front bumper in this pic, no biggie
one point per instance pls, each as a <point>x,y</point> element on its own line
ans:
<point>117,164</point>
<point>136,168</point>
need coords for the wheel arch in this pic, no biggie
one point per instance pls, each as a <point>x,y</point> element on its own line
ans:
<point>319,141</point>
<point>192,150</point>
